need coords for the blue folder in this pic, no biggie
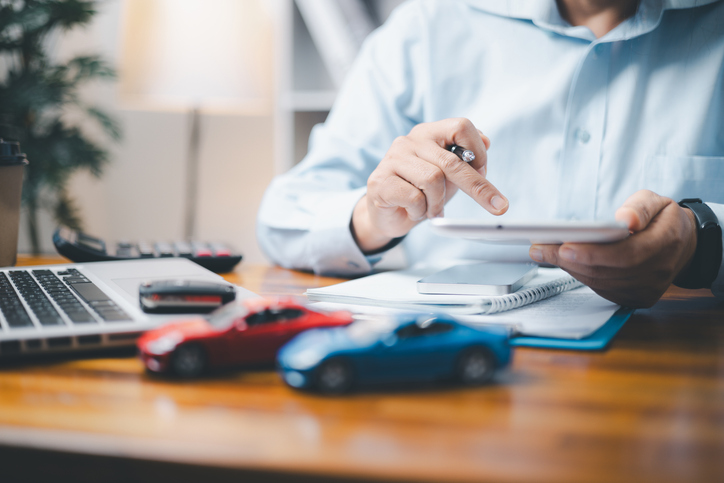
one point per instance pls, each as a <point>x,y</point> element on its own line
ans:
<point>596,341</point>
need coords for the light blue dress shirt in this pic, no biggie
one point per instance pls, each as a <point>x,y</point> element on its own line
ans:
<point>577,124</point>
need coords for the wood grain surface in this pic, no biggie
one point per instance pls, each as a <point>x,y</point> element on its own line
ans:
<point>649,408</point>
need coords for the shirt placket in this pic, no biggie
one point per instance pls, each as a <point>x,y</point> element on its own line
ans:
<point>584,131</point>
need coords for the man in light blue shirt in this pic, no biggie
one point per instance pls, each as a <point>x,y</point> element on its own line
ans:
<point>590,111</point>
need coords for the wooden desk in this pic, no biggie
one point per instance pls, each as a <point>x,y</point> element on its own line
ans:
<point>650,408</point>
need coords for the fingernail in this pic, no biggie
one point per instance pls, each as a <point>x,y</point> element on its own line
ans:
<point>567,253</point>
<point>536,254</point>
<point>484,171</point>
<point>498,202</point>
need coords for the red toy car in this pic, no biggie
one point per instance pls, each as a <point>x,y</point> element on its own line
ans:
<point>242,332</point>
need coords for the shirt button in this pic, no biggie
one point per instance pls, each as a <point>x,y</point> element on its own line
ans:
<point>583,136</point>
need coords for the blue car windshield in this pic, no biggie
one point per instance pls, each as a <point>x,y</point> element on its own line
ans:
<point>369,330</point>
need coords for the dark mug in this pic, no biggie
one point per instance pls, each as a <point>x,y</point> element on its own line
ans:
<point>12,165</point>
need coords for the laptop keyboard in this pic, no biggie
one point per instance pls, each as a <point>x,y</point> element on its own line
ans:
<point>67,290</point>
<point>11,306</point>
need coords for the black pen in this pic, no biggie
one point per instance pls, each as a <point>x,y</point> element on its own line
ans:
<point>462,153</point>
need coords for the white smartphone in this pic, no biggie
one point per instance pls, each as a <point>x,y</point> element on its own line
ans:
<point>478,279</point>
<point>530,232</point>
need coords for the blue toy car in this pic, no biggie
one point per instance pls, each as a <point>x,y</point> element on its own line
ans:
<point>386,350</point>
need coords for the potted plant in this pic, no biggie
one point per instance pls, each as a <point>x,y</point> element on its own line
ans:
<point>38,97</point>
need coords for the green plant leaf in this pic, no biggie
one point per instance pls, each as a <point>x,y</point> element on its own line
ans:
<point>66,211</point>
<point>35,92</point>
<point>109,124</point>
<point>89,67</point>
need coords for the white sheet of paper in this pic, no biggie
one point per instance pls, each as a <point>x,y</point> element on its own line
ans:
<point>572,315</point>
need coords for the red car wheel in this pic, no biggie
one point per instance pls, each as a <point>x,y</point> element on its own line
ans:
<point>189,360</point>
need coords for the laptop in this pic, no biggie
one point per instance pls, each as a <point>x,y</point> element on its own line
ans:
<point>84,306</point>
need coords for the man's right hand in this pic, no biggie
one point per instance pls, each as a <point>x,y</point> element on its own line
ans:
<point>418,176</point>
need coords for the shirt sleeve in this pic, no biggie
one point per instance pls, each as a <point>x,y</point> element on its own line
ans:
<point>717,287</point>
<point>304,218</point>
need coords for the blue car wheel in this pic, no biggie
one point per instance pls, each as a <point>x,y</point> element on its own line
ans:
<point>334,376</point>
<point>475,365</point>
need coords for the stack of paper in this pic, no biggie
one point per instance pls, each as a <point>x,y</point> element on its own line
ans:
<point>572,314</point>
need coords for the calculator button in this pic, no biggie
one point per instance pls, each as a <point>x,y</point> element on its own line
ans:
<point>79,247</point>
<point>145,250</point>
<point>201,249</point>
<point>220,250</point>
<point>183,249</point>
<point>123,252</point>
<point>92,243</point>
<point>164,249</point>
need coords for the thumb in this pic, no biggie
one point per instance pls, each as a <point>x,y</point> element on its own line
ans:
<point>640,208</point>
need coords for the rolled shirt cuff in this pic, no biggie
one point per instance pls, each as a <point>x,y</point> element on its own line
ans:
<point>332,245</point>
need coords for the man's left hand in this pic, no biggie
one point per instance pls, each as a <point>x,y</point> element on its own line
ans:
<point>634,272</point>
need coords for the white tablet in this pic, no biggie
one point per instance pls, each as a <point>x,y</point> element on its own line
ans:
<point>529,232</point>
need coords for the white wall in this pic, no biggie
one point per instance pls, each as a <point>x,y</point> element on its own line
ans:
<point>141,193</point>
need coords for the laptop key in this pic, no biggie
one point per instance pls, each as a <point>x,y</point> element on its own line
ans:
<point>100,302</point>
<point>89,292</point>
<point>81,317</point>
<point>105,310</point>
<point>63,296</point>
<point>36,299</point>
<point>14,313</point>
<point>117,316</point>
<point>18,321</point>
<point>50,319</point>
<point>72,280</point>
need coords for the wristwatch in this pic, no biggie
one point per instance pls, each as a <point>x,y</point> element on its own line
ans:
<point>704,266</point>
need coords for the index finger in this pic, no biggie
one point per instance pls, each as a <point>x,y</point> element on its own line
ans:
<point>468,177</point>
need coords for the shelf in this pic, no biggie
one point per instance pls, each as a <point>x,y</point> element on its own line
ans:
<point>304,89</point>
<point>309,100</point>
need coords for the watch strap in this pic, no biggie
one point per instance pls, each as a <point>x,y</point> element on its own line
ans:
<point>704,266</point>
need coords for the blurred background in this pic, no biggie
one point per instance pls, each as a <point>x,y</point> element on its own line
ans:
<point>213,97</point>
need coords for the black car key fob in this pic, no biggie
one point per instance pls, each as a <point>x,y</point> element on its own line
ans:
<point>184,296</point>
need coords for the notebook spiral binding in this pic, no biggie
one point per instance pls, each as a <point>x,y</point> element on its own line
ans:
<point>533,294</point>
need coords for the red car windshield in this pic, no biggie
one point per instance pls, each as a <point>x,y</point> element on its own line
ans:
<point>226,315</point>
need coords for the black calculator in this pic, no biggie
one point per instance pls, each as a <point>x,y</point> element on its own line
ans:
<point>80,247</point>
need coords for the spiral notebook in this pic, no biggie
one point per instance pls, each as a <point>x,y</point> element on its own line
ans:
<point>551,305</point>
